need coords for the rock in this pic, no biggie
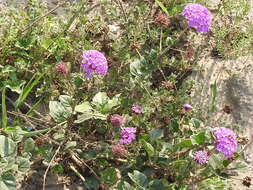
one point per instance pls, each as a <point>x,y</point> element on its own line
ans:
<point>234,81</point>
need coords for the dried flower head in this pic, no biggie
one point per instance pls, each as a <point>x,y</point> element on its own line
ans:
<point>117,120</point>
<point>227,109</point>
<point>187,107</point>
<point>246,181</point>
<point>201,157</point>
<point>225,141</point>
<point>198,17</point>
<point>127,135</point>
<point>162,20</point>
<point>94,61</point>
<point>61,68</point>
<point>242,140</point>
<point>137,109</point>
<point>119,150</point>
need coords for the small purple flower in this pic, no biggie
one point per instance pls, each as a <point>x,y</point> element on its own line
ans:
<point>187,107</point>
<point>127,135</point>
<point>137,109</point>
<point>225,141</point>
<point>119,150</point>
<point>117,120</point>
<point>201,157</point>
<point>94,61</point>
<point>198,17</point>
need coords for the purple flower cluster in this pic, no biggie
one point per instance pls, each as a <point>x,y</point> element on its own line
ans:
<point>225,141</point>
<point>198,17</point>
<point>119,150</point>
<point>127,135</point>
<point>94,61</point>
<point>137,109</point>
<point>200,157</point>
<point>117,120</point>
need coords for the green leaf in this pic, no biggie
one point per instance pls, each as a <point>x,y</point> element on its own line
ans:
<point>15,86</point>
<point>7,146</point>
<point>166,147</point>
<point>7,182</point>
<point>115,101</point>
<point>83,117</point>
<point>196,123</point>
<point>179,165</point>
<point>109,176</point>
<point>83,107</point>
<point>100,116</point>
<point>66,101</point>
<point>100,98</point>
<point>70,144</point>
<point>29,145</point>
<point>212,106</point>
<point>86,116</point>
<point>8,69</point>
<point>216,161</point>
<point>23,164</point>
<point>61,111</point>
<point>33,133</point>
<point>199,138</point>
<point>185,143</point>
<point>4,111</point>
<point>148,147</point>
<point>240,165</point>
<point>174,125</point>
<point>157,184</point>
<point>162,7</point>
<point>123,185</point>
<point>91,183</point>
<point>139,178</point>
<point>58,169</point>
<point>135,67</point>
<point>156,134</point>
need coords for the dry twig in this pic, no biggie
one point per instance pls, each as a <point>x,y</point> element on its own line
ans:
<point>48,167</point>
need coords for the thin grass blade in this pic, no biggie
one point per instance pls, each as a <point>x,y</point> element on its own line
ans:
<point>4,111</point>
<point>28,88</point>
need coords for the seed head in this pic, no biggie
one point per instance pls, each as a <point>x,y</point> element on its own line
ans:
<point>119,150</point>
<point>117,120</point>
<point>61,68</point>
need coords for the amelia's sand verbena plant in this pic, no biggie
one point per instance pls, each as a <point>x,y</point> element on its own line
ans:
<point>119,131</point>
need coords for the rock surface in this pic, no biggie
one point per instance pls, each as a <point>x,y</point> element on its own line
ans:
<point>234,81</point>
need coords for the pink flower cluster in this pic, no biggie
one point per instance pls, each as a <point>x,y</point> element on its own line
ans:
<point>137,109</point>
<point>225,141</point>
<point>201,157</point>
<point>94,62</point>
<point>198,17</point>
<point>127,135</point>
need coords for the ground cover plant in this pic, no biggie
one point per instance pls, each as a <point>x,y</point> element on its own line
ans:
<point>99,94</point>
